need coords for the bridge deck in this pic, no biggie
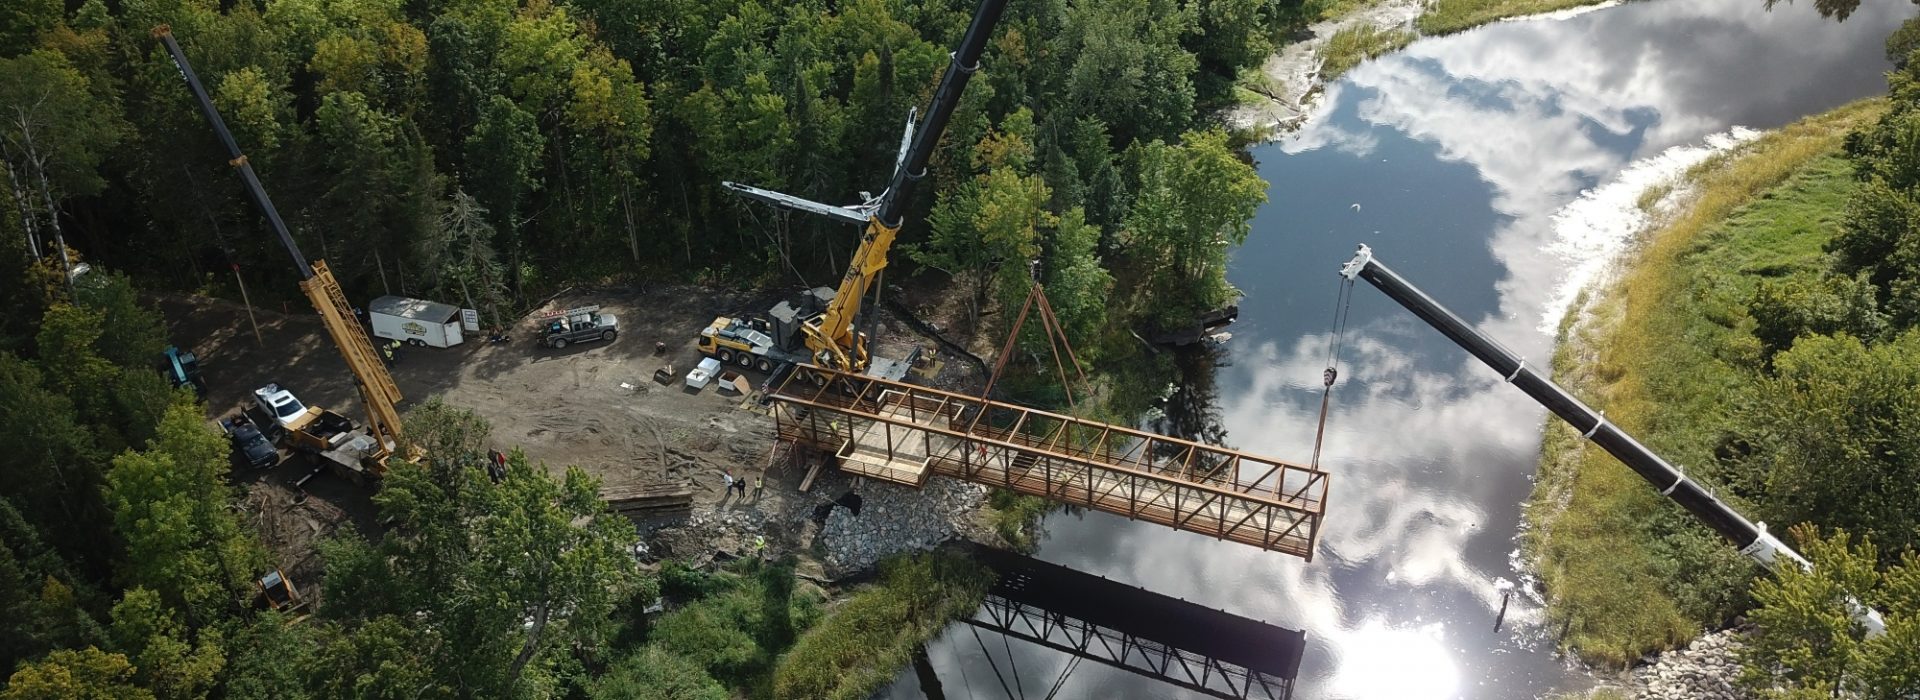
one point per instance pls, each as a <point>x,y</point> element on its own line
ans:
<point>903,433</point>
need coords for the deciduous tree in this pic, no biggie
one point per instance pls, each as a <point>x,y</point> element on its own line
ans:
<point>88,674</point>
<point>504,576</point>
<point>170,505</point>
<point>1810,643</point>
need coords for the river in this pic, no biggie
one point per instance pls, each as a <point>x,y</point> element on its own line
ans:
<point>1451,159</point>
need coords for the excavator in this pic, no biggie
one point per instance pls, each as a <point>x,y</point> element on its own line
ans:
<point>357,453</point>
<point>820,329</point>
<point>1752,538</point>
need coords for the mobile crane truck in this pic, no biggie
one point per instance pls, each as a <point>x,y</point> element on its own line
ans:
<point>820,329</point>
<point>1752,538</point>
<point>350,451</point>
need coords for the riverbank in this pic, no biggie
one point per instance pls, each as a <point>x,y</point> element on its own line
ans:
<point>1662,341</point>
<point>1277,97</point>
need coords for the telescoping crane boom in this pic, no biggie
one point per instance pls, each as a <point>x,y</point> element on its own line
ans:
<point>316,281</point>
<point>1752,538</point>
<point>831,337</point>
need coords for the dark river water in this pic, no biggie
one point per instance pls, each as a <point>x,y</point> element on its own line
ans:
<point>1451,159</point>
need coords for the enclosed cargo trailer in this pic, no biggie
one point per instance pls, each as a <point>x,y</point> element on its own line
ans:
<point>415,321</point>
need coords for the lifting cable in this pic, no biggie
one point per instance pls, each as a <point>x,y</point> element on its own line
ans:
<point>1057,341</point>
<point>1335,343</point>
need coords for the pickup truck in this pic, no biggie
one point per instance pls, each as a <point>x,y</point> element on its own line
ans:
<point>339,444</point>
<point>577,325</point>
<point>250,449</point>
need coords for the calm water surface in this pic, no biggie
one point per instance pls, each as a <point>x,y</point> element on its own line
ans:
<point>1449,158</point>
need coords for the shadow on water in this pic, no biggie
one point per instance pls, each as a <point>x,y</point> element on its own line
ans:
<point>1169,641</point>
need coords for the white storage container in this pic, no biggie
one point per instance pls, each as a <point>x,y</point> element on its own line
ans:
<point>415,321</point>
<point>702,373</point>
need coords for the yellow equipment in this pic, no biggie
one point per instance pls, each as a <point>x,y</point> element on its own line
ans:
<point>829,337</point>
<point>316,281</point>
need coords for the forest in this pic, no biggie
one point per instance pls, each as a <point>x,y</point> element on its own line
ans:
<point>490,152</point>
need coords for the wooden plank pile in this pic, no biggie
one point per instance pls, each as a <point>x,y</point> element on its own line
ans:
<point>650,501</point>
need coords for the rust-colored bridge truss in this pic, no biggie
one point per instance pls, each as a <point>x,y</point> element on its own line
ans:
<point>903,434</point>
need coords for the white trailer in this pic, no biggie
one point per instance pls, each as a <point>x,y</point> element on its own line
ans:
<point>415,321</point>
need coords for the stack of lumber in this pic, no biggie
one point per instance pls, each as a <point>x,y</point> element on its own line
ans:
<point>649,501</point>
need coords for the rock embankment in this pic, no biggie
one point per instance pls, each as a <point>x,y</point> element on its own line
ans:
<point>896,519</point>
<point>1704,670</point>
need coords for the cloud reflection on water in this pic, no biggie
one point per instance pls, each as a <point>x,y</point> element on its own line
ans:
<point>1431,453</point>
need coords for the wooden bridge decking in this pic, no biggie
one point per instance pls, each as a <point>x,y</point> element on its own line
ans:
<point>903,434</point>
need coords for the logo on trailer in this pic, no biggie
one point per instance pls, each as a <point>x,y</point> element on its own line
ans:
<point>414,328</point>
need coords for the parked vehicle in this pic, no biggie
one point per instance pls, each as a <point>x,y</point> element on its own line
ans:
<point>348,449</point>
<point>577,325</point>
<point>250,448</point>
<point>415,321</point>
<point>281,407</point>
<point>182,368</point>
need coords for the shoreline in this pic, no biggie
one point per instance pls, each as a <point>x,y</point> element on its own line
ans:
<point>1564,528</point>
<point>1296,68</point>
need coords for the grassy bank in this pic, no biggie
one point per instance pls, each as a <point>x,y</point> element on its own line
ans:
<point>1351,46</point>
<point>751,629</point>
<point>1449,16</point>
<point>866,640</point>
<point>1665,350</point>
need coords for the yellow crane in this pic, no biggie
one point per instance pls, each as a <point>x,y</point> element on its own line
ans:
<point>827,334</point>
<point>318,284</point>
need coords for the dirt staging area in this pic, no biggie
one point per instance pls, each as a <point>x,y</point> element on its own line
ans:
<point>595,405</point>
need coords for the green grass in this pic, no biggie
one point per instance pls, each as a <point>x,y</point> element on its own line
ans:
<point>1449,16</point>
<point>1354,45</point>
<point>733,623</point>
<point>865,640</point>
<point>1016,517</point>
<point>1666,351</point>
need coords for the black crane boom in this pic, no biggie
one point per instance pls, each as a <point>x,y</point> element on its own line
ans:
<point>1752,539</point>
<point>236,158</point>
<point>965,61</point>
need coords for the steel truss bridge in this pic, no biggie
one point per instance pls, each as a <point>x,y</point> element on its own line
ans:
<point>904,434</point>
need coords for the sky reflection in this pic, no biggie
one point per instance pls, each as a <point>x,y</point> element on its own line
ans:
<point>1458,152</point>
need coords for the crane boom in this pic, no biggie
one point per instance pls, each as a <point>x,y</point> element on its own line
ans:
<point>316,281</point>
<point>831,337</point>
<point>1752,538</point>
<point>834,339</point>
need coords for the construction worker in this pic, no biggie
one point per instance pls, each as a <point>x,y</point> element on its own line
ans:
<point>386,351</point>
